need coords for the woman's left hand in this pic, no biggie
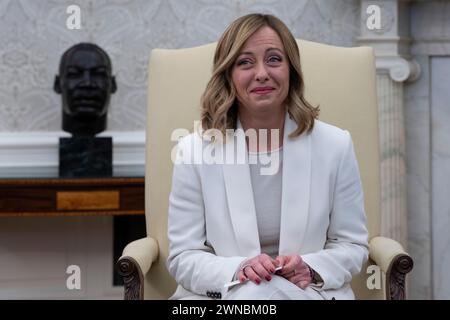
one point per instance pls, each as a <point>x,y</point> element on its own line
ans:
<point>295,270</point>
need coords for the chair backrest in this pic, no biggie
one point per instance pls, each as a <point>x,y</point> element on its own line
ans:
<point>340,80</point>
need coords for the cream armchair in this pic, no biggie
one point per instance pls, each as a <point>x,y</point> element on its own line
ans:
<point>340,80</point>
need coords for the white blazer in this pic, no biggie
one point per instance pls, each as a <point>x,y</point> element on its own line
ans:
<point>212,224</point>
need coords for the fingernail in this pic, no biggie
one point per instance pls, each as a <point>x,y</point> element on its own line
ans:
<point>257,281</point>
<point>268,278</point>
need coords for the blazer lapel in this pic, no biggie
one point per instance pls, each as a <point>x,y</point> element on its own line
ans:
<point>296,179</point>
<point>241,204</point>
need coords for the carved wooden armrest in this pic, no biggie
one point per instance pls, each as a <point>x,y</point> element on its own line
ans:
<point>389,255</point>
<point>133,265</point>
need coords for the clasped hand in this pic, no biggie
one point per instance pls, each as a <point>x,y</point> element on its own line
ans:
<point>294,269</point>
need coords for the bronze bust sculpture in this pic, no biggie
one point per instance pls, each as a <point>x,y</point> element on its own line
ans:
<point>85,82</point>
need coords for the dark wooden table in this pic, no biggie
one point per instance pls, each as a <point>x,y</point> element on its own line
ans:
<point>69,197</point>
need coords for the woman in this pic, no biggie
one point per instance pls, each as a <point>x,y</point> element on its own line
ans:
<point>298,232</point>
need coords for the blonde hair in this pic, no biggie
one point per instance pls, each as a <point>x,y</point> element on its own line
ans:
<point>218,102</point>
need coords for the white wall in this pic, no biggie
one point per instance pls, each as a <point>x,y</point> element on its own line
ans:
<point>35,253</point>
<point>440,166</point>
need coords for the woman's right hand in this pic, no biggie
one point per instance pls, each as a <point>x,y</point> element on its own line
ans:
<point>257,268</point>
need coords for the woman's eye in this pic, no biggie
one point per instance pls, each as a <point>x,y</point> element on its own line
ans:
<point>274,59</point>
<point>243,62</point>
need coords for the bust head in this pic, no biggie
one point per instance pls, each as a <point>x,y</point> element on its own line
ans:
<point>85,82</point>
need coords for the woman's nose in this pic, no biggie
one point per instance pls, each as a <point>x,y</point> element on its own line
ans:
<point>261,72</point>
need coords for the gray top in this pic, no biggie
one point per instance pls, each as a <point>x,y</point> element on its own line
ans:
<point>267,186</point>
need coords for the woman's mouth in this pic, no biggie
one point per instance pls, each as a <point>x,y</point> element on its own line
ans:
<point>263,90</point>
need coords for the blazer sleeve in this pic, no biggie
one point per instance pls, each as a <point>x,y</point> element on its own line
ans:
<point>346,247</point>
<point>191,260</point>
